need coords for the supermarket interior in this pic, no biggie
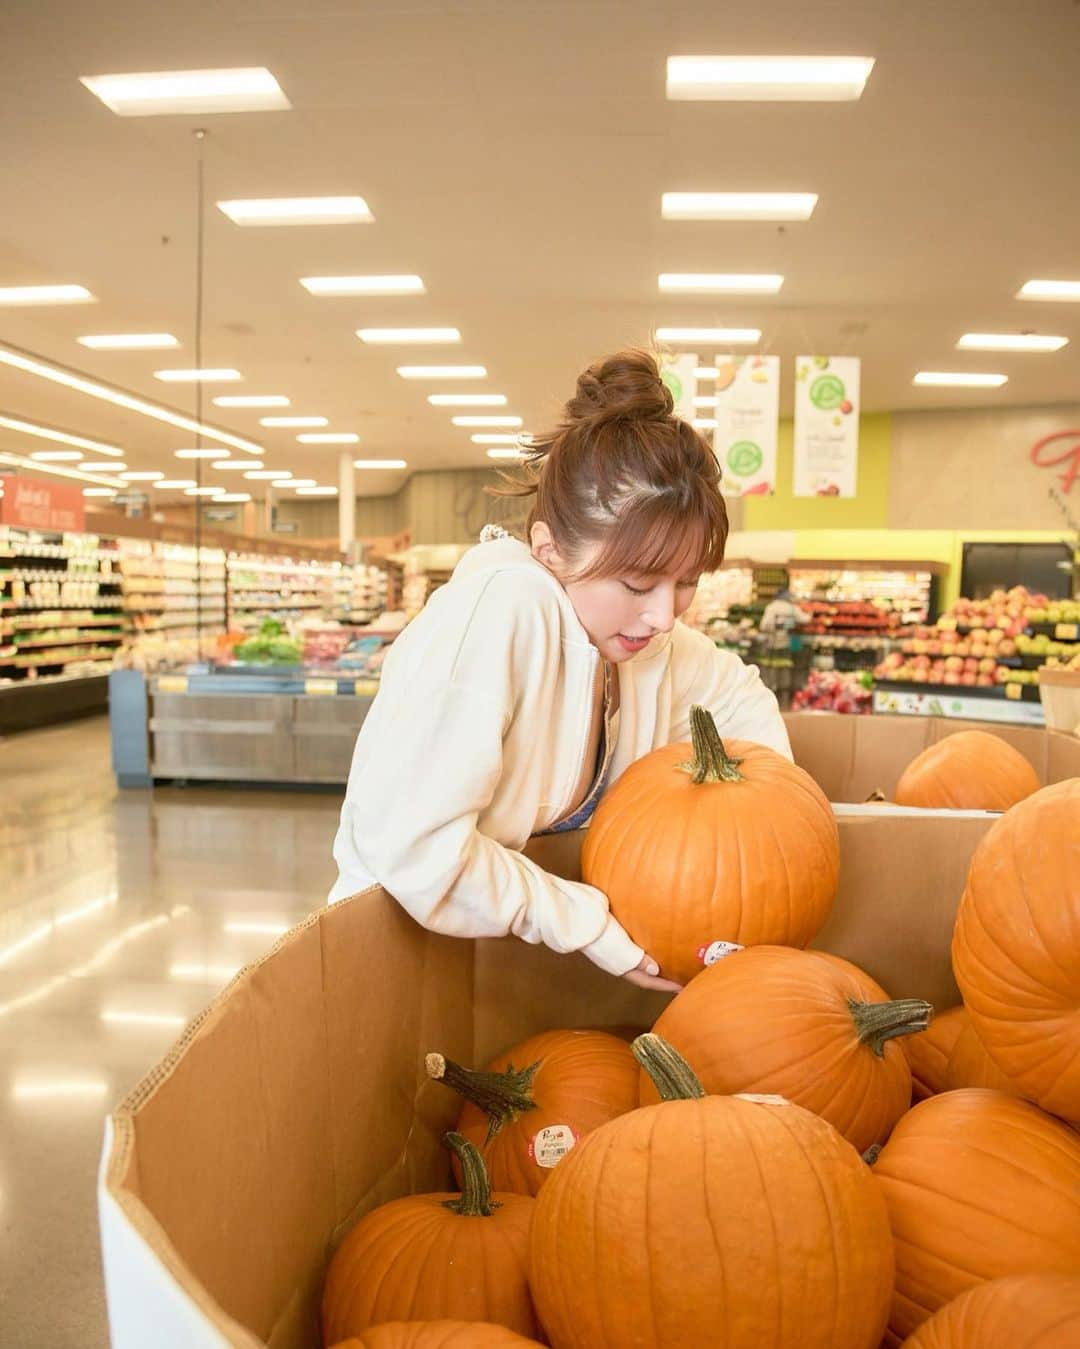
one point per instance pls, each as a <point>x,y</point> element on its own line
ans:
<point>285,295</point>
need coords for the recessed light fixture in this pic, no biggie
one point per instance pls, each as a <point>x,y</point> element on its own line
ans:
<point>706,401</point>
<point>171,92</point>
<point>1049,290</point>
<point>294,421</point>
<point>486,421</point>
<point>297,211</point>
<point>809,79</point>
<point>141,476</point>
<point>104,466</point>
<point>233,496</point>
<point>201,491</point>
<point>18,295</point>
<point>737,336</point>
<point>58,456</point>
<point>506,454</point>
<point>706,372</point>
<point>61,437</point>
<point>425,335</point>
<point>704,423</point>
<point>956,380</point>
<point>44,1090</point>
<point>174,484</point>
<point>301,482</point>
<point>198,454</point>
<point>738,205</point>
<point>363,285</point>
<point>465,400</point>
<point>244,464</point>
<point>1010,342</point>
<point>122,1018</point>
<point>61,470</point>
<point>266,475</point>
<point>379,463</point>
<point>212,376</point>
<point>316,491</point>
<point>719,283</point>
<point>99,491</point>
<point>252,400</point>
<point>328,438</point>
<point>128,341</point>
<point>442,371</point>
<point>495,438</point>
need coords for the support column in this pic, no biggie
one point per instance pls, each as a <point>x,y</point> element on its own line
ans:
<point>346,503</point>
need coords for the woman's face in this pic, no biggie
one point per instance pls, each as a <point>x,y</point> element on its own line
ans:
<point>621,614</point>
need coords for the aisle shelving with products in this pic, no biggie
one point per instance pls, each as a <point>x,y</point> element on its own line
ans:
<point>174,601</point>
<point>265,587</point>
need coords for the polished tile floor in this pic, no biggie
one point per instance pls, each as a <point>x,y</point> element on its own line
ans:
<point>121,914</point>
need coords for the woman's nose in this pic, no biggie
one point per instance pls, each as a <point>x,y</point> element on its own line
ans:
<point>660,614</point>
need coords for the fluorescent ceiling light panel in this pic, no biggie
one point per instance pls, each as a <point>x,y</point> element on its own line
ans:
<point>173,92</point>
<point>128,341</point>
<point>58,456</point>
<point>251,400</point>
<point>379,463</point>
<point>199,454</point>
<point>266,475</point>
<point>1010,342</point>
<point>19,295</point>
<point>175,484</point>
<point>744,336</point>
<point>419,335</point>
<point>121,1018</point>
<point>141,476</point>
<point>77,474</point>
<point>1049,290</point>
<point>30,1091</point>
<point>61,437</point>
<point>956,380</point>
<point>705,423</point>
<point>301,482</point>
<point>706,401</point>
<point>104,466</point>
<point>99,491</point>
<point>465,400</point>
<point>294,421</point>
<point>233,496</point>
<point>804,79</point>
<point>215,376</point>
<point>738,205</point>
<point>495,438</point>
<point>719,283</point>
<point>442,371</point>
<point>297,211</point>
<point>316,491</point>
<point>202,491</point>
<point>486,421</point>
<point>706,372</point>
<point>363,285</point>
<point>506,454</point>
<point>329,438</point>
<point>244,464</point>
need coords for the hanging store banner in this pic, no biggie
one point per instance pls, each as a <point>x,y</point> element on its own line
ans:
<point>52,507</point>
<point>677,372</point>
<point>747,423</point>
<point>826,425</point>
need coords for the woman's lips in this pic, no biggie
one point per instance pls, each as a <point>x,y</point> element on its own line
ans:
<point>632,643</point>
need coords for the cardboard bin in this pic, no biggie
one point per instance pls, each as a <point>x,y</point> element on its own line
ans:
<point>298,1100</point>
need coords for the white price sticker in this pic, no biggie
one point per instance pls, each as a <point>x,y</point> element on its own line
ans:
<point>717,950</point>
<point>325,686</point>
<point>548,1147</point>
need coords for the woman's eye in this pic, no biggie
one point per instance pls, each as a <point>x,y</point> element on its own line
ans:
<point>689,585</point>
<point>633,590</point>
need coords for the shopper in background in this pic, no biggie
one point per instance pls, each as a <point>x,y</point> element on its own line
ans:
<point>542,670</point>
<point>780,619</point>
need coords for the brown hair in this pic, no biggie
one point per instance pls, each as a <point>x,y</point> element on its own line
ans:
<point>623,471</point>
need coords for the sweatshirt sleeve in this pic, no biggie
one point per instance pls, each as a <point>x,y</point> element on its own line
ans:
<point>428,763</point>
<point>733,692</point>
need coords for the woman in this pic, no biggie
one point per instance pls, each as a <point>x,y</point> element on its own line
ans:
<point>542,670</point>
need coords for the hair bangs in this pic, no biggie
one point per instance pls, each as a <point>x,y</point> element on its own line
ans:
<point>664,535</point>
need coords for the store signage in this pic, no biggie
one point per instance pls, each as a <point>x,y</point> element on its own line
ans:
<point>1059,449</point>
<point>218,514</point>
<point>285,526</point>
<point>826,425</point>
<point>747,423</point>
<point>677,372</point>
<point>54,507</point>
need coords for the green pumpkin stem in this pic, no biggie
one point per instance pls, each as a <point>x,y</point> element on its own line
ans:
<point>877,1022</point>
<point>672,1076</point>
<point>711,761</point>
<point>872,1153</point>
<point>501,1096</point>
<point>475,1200</point>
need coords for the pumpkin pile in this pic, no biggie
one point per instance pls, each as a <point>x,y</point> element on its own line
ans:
<point>753,1171</point>
<point>968,770</point>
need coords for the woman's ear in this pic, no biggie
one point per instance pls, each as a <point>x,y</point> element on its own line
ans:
<point>543,546</point>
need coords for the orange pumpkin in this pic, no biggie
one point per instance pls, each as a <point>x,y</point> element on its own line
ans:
<point>928,1053</point>
<point>711,1221</point>
<point>810,1027</point>
<point>526,1119</point>
<point>434,1256</point>
<point>979,1185</point>
<point>1016,946</point>
<point>436,1335</point>
<point>968,770</point>
<point>1031,1311</point>
<point>714,844</point>
<point>971,1066</point>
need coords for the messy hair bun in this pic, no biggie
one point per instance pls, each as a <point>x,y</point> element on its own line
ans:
<point>622,471</point>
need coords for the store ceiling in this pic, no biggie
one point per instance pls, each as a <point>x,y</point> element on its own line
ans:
<point>514,155</point>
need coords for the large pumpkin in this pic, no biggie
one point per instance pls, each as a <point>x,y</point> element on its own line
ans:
<point>979,1185</point>
<point>430,1257</point>
<point>436,1335</point>
<point>971,1066</point>
<point>1031,1311</point>
<point>928,1053</point>
<point>715,844</point>
<point>803,1025</point>
<point>1016,946</point>
<point>526,1119</point>
<point>711,1221</point>
<point>968,770</point>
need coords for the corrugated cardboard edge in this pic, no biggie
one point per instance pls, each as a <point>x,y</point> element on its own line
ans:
<point>119,1151</point>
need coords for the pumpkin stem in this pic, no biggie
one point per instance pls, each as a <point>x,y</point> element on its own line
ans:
<point>876,796</point>
<point>501,1096</point>
<point>872,1153</point>
<point>711,761</point>
<point>877,1022</point>
<point>476,1200</point>
<point>672,1076</point>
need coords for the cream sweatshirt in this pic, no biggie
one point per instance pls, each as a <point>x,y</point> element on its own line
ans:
<point>477,740</point>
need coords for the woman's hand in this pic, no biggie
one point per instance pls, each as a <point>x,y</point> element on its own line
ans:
<point>646,974</point>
